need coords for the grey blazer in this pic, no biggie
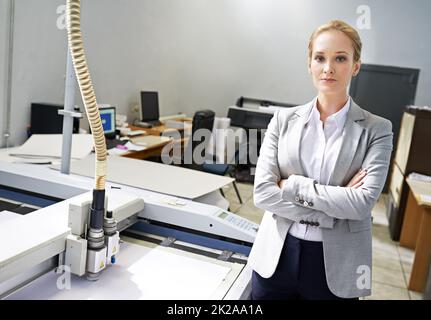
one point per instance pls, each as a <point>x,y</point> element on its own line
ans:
<point>344,214</point>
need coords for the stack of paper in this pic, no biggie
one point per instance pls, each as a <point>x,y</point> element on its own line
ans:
<point>139,144</point>
<point>419,177</point>
<point>150,141</point>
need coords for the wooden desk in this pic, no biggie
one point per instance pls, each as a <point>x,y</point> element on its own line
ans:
<point>178,141</point>
<point>163,129</point>
<point>416,232</point>
<point>154,147</point>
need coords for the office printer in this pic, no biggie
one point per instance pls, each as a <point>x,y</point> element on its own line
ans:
<point>248,114</point>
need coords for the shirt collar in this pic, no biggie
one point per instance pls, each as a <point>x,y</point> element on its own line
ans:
<point>339,117</point>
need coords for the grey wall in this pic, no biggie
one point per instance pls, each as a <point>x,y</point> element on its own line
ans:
<point>202,53</point>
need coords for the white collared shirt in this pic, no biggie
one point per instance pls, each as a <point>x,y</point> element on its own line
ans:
<point>318,152</point>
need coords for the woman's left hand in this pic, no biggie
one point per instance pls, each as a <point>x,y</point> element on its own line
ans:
<point>281,183</point>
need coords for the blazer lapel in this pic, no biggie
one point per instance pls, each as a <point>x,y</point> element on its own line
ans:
<point>294,132</point>
<point>351,134</point>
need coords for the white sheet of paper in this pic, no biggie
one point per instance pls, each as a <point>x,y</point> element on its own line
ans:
<point>7,215</point>
<point>49,145</point>
<point>6,157</point>
<point>426,198</point>
<point>134,147</point>
<point>419,177</point>
<point>150,141</point>
<point>117,151</point>
<point>141,273</point>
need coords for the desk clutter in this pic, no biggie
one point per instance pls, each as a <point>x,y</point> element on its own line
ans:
<point>138,144</point>
<point>147,141</point>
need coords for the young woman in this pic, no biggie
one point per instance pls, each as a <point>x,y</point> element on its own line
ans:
<point>321,168</point>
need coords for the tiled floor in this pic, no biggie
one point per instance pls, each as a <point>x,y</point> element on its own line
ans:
<point>391,263</point>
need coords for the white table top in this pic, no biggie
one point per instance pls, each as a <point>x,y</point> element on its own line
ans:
<point>143,271</point>
<point>162,178</point>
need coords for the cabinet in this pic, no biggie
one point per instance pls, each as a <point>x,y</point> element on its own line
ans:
<point>413,154</point>
<point>416,232</point>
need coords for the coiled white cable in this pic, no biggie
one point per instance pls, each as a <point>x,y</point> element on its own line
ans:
<point>73,11</point>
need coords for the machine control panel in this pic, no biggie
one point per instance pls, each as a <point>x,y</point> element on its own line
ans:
<point>237,221</point>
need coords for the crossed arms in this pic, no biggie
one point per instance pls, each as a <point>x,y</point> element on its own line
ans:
<point>353,201</point>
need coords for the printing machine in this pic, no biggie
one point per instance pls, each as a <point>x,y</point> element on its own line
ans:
<point>169,247</point>
<point>72,237</point>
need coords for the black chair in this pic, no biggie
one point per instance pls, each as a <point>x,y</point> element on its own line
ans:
<point>222,169</point>
<point>204,119</point>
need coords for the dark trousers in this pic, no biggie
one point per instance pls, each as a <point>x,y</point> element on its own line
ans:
<point>300,274</point>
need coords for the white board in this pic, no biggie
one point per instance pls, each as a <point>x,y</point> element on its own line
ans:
<point>49,145</point>
<point>158,177</point>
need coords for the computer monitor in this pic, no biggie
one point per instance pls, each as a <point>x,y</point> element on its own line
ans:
<point>107,116</point>
<point>45,119</point>
<point>149,106</point>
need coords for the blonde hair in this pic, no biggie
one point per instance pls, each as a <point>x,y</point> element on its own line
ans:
<point>343,27</point>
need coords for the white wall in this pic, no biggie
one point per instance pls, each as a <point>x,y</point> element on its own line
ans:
<point>3,62</point>
<point>202,53</point>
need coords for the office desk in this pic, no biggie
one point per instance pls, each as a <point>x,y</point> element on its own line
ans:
<point>144,154</point>
<point>163,129</point>
<point>178,141</point>
<point>416,232</point>
<point>153,146</point>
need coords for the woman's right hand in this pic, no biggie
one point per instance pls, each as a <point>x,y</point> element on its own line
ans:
<point>358,180</point>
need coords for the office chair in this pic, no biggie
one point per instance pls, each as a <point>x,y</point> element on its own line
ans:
<point>222,169</point>
<point>204,119</point>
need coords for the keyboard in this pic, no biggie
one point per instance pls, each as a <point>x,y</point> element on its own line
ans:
<point>147,124</point>
<point>135,133</point>
<point>155,123</point>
